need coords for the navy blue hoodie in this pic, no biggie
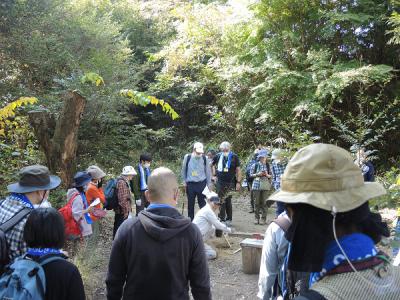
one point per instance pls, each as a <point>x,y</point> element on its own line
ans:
<point>155,256</point>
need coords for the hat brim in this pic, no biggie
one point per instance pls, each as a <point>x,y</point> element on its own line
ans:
<point>345,200</point>
<point>83,183</point>
<point>55,181</point>
<point>201,151</point>
<point>100,175</point>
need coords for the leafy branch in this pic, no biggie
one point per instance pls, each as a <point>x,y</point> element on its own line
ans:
<point>142,99</point>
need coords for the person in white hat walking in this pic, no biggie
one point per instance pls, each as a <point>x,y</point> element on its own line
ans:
<point>333,232</point>
<point>196,175</point>
<point>124,208</point>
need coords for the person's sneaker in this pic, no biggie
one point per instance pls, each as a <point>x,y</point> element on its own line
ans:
<point>262,222</point>
<point>256,222</point>
<point>228,223</point>
<point>251,211</point>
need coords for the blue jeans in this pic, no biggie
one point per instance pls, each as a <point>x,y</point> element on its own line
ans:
<point>193,190</point>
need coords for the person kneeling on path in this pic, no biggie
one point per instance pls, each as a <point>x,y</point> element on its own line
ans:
<point>157,254</point>
<point>207,221</point>
<point>31,190</point>
<point>261,186</point>
<point>333,232</point>
<point>226,173</point>
<point>196,175</point>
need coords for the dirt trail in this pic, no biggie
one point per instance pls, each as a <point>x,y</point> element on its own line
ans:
<point>227,279</point>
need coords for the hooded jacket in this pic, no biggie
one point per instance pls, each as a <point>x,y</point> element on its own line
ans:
<point>155,256</point>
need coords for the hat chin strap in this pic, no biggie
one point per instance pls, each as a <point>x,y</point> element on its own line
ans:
<point>334,212</point>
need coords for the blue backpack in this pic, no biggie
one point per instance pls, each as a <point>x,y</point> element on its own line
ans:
<point>24,279</point>
<point>110,192</point>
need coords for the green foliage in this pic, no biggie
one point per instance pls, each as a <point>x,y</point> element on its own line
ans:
<point>394,22</point>
<point>143,99</point>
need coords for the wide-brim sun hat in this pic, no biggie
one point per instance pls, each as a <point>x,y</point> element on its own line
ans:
<point>128,170</point>
<point>326,177</point>
<point>81,179</point>
<point>96,172</point>
<point>34,178</point>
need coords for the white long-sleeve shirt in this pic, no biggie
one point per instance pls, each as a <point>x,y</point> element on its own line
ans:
<point>207,221</point>
<point>272,257</point>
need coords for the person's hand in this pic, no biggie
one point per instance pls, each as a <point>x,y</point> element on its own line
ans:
<point>89,209</point>
<point>138,202</point>
<point>215,179</point>
<point>238,186</point>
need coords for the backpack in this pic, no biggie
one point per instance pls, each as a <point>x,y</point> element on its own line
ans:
<point>290,283</point>
<point>25,279</point>
<point>189,156</point>
<point>72,229</point>
<point>4,228</point>
<point>110,192</point>
<point>248,169</point>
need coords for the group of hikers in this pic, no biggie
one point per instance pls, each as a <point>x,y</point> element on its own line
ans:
<point>322,244</point>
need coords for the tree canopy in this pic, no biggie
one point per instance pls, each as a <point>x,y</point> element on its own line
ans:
<point>276,72</point>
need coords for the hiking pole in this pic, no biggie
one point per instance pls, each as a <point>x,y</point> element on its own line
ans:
<point>227,241</point>
<point>183,206</point>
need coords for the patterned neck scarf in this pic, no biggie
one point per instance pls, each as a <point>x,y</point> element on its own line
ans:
<point>42,251</point>
<point>357,247</point>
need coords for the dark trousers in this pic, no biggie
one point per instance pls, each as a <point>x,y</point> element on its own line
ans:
<point>223,190</point>
<point>280,208</point>
<point>193,190</point>
<point>144,203</point>
<point>249,185</point>
<point>118,220</point>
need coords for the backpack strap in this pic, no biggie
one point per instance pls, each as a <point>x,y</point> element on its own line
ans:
<point>14,220</point>
<point>188,157</point>
<point>49,259</point>
<point>283,223</point>
<point>310,295</point>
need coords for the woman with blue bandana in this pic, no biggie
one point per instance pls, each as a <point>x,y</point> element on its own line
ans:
<point>333,234</point>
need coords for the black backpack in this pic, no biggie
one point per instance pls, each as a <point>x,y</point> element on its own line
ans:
<point>4,228</point>
<point>189,156</point>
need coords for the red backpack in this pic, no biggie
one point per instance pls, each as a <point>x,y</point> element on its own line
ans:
<point>72,229</point>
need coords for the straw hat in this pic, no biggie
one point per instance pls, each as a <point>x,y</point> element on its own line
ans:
<point>325,176</point>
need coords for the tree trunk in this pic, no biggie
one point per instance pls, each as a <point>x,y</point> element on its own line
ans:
<point>59,140</point>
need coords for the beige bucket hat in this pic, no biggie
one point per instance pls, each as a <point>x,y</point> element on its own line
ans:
<point>95,172</point>
<point>325,176</point>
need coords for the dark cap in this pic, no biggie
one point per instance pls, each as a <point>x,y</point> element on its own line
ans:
<point>34,178</point>
<point>215,200</point>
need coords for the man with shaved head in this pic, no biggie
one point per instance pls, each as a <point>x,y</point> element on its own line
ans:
<point>157,254</point>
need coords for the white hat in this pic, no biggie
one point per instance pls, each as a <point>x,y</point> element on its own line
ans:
<point>198,147</point>
<point>276,154</point>
<point>128,170</point>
